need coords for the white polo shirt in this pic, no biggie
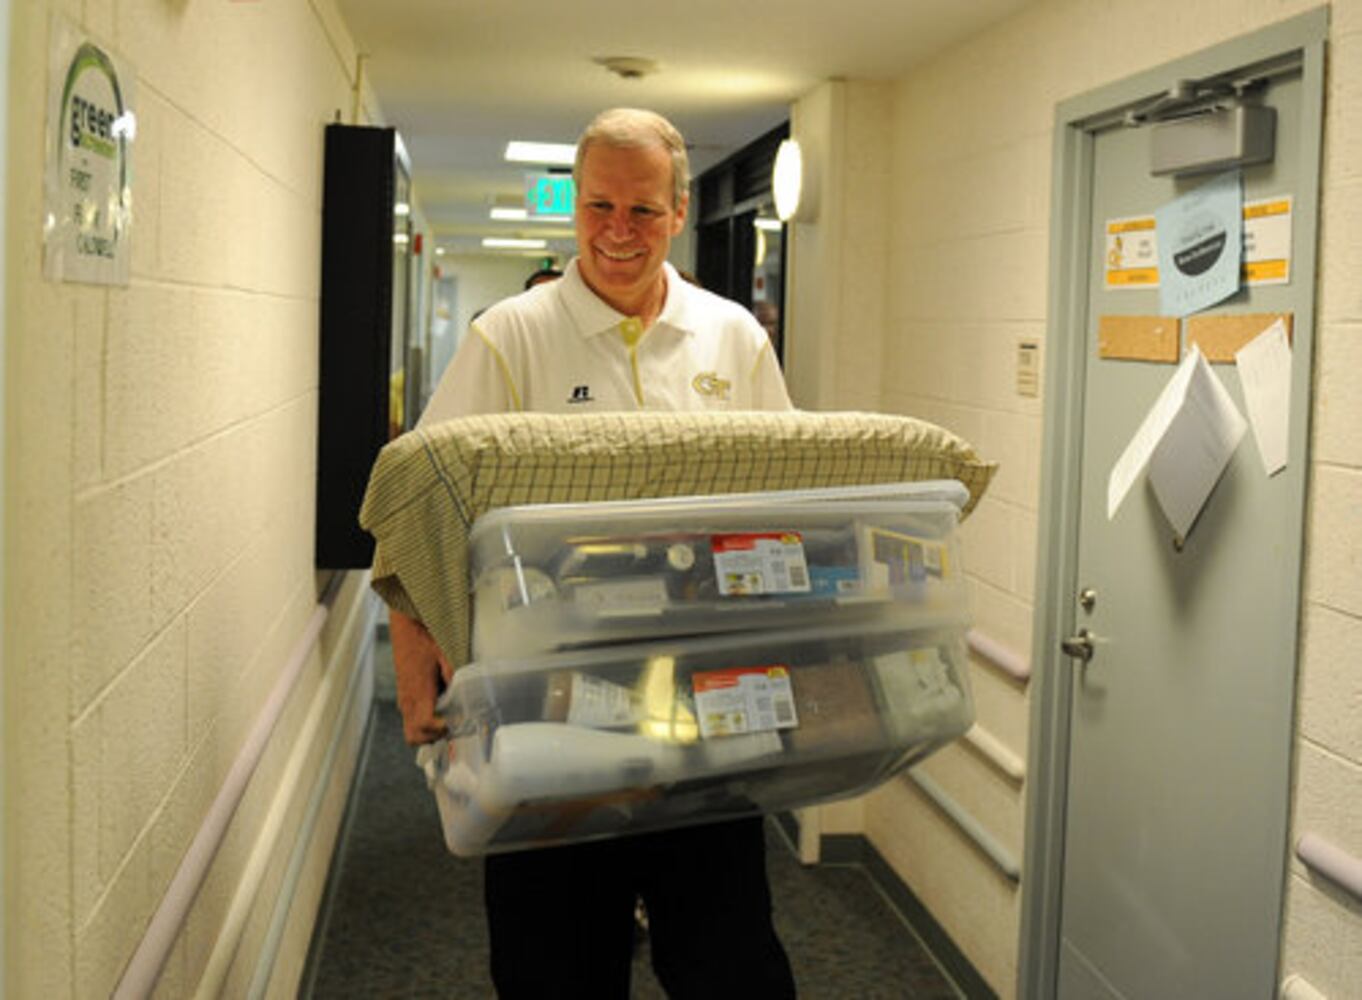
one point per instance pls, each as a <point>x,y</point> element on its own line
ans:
<point>558,348</point>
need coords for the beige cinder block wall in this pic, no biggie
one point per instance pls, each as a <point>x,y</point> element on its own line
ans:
<point>160,443</point>
<point>967,271</point>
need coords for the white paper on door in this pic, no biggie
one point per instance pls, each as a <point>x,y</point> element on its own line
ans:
<point>1264,365</point>
<point>1184,442</point>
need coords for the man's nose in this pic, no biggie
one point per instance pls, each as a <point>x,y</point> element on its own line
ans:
<point>620,223</point>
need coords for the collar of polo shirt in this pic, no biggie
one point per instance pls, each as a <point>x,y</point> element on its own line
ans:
<point>591,316</point>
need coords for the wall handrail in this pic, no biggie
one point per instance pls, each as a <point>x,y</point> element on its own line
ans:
<point>293,872</point>
<point>996,753</point>
<point>1331,861</point>
<point>993,652</point>
<point>294,773</point>
<point>1001,857</point>
<point>148,961</point>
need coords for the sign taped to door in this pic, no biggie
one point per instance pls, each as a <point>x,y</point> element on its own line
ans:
<point>1132,253</point>
<point>1132,247</point>
<point>1267,241</point>
<point>1201,245</point>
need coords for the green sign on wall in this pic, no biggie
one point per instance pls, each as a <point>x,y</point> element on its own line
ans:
<point>549,194</point>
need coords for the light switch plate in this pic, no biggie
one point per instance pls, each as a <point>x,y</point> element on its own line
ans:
<point>1028,367</point>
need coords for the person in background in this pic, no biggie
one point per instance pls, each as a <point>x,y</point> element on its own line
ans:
<point>541,276</point>
<point>620,330</point>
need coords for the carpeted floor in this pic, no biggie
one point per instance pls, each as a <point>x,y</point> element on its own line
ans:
<point>402,918</point>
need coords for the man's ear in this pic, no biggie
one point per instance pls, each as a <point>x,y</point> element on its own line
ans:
<point>679,217</point>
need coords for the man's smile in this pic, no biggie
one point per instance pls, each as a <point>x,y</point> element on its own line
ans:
<point>619,254</point>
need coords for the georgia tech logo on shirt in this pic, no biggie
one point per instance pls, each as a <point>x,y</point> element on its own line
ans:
<point>710,384</point>
<point>581,394</point>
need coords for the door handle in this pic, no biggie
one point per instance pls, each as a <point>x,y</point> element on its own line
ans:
<point>1078,646</point>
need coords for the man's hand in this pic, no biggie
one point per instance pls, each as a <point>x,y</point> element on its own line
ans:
<point>420,668</point>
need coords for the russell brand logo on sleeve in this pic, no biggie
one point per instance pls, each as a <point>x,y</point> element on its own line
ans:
<point>710,384</point>
<point>581,394</point>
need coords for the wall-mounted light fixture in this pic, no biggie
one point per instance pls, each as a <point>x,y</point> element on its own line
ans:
<point>787,179</point>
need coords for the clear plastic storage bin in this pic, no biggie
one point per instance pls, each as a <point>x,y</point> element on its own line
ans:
<point>585,744</point>
<point>560,576</point>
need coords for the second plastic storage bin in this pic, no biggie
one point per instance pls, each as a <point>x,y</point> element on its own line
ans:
<point>607,741</point>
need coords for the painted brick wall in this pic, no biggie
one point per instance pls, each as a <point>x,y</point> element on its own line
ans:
<point>161,441</point>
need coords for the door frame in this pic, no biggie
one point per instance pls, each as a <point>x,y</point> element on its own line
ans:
<point>1058,535</point>
<point>4,349</point>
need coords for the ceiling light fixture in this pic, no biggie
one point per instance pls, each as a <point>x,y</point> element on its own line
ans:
<point>559,154</point>
<point>628,67</point>
<point>523,215</point>
<point>503,243</point>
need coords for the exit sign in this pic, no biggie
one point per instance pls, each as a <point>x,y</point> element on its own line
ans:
<point>549,194</point>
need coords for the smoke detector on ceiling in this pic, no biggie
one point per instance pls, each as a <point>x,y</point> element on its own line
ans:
<point>628,67</point>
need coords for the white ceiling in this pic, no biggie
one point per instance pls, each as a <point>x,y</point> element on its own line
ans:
<point>459,78</point>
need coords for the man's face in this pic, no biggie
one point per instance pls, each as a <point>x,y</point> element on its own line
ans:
<point>625,223</point>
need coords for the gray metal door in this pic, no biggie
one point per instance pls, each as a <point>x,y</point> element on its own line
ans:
<point>1180,726</point>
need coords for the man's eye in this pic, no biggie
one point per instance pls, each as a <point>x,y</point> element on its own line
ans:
<point>646,211</point>
<point>598,206</point>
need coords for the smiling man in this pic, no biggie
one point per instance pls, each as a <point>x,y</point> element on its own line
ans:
<point>619,331</point>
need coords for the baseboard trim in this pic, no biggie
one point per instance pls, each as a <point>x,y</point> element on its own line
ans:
<point>855,849</point>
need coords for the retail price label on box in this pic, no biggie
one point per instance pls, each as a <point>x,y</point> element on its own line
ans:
<point>760,563</point>
<point>743,700</point>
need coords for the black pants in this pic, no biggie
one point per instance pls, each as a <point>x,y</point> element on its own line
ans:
<point>561,918</point>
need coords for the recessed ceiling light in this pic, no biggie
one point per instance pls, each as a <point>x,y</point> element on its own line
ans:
<point>560,154</point>
<point>523,215</point>
<point>501,243</point>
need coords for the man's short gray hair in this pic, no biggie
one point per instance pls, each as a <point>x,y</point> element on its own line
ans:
<point>632,128</point>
